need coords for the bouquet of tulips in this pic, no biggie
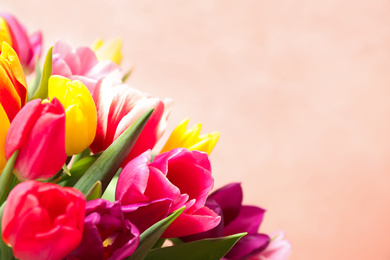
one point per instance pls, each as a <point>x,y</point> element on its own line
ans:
<point>78,176</point>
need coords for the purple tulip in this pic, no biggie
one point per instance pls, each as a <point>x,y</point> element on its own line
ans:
<point>107,235</point>
<point>235,218</point>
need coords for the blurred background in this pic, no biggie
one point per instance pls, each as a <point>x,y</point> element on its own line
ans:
<point>300,91</point>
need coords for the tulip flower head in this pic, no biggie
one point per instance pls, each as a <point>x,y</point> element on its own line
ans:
<point>38,132</point>
<point>107,235</point>
<point>28,48</point>
<point>118,107</point>
<point>13,86</point>
<point>236,218</point>
<point>174,179</point>
<point>190,139</point>
<point>43,220</point>
<point>82,64</point>
<point>109,50</point>
<point>80,127</point>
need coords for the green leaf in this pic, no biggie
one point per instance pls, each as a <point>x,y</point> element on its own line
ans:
<point>78,169</point>
<point>7,176</point>
<point>81,155</point>
<point>109,194</point>
<point>150,236</point>
<point>42,89</point>
<point>206,249</point>
<point>108,163</point>
<point>33,86</point>
<point>95,192</point>
<point>128,74</point>
<point>5,251</point>
<point>66,170</point>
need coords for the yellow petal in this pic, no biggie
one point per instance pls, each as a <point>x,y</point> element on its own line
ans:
<point>4,125</point>
<point>109,50</point>
<point>5,35</point>
<point>81,118</point>
<point>190,139</point>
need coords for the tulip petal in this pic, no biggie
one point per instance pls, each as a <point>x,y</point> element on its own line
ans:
<point>248,220</point>
<point>145,214</point>
<point>199,221</point>
<point>248,246</point>
<point>133,180</point>
<point>4,125</point>
<point>229,198</point>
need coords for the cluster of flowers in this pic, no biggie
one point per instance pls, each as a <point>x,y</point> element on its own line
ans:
<point>78,179</point>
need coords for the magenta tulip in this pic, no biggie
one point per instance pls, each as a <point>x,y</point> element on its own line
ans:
<point>174,179</point>
<point>236,218</point>
<point>107,235</point>
<point>118,107</point>
<point>38,132</point>
<point>43,220</point>
<point>28,48</point>
<point>82,64</point>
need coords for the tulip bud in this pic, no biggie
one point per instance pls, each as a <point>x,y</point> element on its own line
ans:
<point>13,86</point>
<point>190,139</point>
<point>43,220</point>
<point>38,132</point>
<point>80,127</point>
<point>109,50</point>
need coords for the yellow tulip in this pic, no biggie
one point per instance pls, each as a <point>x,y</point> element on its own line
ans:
<point>190,139</point>
<point>5,35</point>
<point>80,110</point>
<point>4,125</point>
<point>109,50</point>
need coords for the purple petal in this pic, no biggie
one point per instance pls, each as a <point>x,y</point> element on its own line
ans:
<point>248,220</point>
<point>247,246</point>
<point>229,198</point>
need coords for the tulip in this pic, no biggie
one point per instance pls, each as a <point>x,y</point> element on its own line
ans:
<point>278,249</point>
<point>82,64</point>
<point>118,107</point>
<point>80,127</point>
<point>38,132</point>
<point>174,179</point>
<point>109,50</point>
<point>28,48</point>
<point>43,220</point>
<point>190,139</point>
<point>107,235</point>
<point>236,218</point>
<point>4,125</point>
<point>13,86</point>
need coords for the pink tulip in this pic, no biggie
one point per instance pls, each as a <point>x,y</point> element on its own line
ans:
<point>119,106</point>
<point>28,48</point>
<point>38,132</point>
<point>43,220</point>
<point>174,179</point>
<point>278,249</point>
<point>82,64</point>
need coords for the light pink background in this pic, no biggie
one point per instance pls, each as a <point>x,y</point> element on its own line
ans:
<point>299,90</point>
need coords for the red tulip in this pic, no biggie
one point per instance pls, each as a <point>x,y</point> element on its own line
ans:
<point>43,220</point>
<point>119,106</point>
<point>38,132</point>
